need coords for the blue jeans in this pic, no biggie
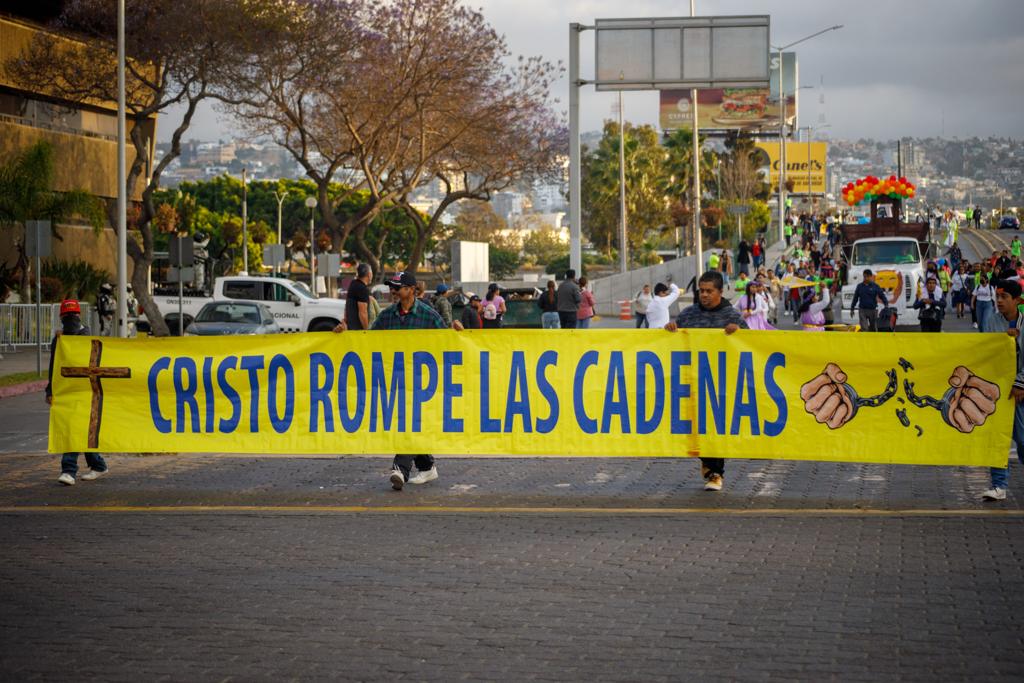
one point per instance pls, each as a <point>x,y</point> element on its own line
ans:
<point>549,320</point>
<point>1001,475</point>
<point>983,309</point>
<point>69,463</point>
<point>641,320</point>
<point>583,324</point>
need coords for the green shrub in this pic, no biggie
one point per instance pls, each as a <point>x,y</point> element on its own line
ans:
<point>77,279</point>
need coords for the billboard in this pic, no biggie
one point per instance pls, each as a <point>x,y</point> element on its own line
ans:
<point>729,109</point>
<point>797,165</point>
<point>683,52</point>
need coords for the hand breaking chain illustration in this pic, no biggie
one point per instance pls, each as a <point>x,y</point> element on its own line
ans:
<point>834,402</point>
<point>969,401</point>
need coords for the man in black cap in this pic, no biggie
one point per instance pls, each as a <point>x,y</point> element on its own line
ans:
<point>408,313</point>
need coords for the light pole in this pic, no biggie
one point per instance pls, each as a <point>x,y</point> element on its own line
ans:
<point>810,132</point>
<point>311,203</point>
<point>122,190</point>
<point>245,226</point>
<point>782,123</point>
<point>623,246</point>
<point>280,201</point>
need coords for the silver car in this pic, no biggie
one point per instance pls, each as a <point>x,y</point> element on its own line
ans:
<point>232,317</point>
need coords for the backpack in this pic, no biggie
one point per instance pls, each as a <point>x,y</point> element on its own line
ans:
<point>490,311</point>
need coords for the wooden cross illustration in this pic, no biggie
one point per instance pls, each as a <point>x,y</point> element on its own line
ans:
<point>94,372</point>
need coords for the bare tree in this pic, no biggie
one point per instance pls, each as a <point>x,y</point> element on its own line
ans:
<point>176,51</point>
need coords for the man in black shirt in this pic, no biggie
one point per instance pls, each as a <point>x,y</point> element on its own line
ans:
<point>866,298</point>
<point>357,304</point>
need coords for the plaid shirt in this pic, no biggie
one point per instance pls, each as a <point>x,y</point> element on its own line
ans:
<point>420,317</point>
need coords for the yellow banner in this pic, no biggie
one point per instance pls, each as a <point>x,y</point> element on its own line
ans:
<point>886,398</point>
<point>797,163</point>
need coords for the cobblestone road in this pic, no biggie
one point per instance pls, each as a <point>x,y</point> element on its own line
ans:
<point>797,572</point>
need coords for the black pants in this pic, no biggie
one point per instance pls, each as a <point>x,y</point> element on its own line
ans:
<point>931,326</point>
<point>567,320</point>
<point>715,465</point>
<point>405,462</point>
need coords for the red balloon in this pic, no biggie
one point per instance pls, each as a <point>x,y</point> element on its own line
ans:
<point>892,179</point>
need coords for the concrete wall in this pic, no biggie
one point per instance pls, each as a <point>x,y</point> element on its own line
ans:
<point>609,291</point>
<point>78,244</point>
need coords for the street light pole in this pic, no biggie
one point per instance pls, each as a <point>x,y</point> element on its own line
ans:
<point>782,124</point>
<point>122,191</point>
<point>696,173</point>
<point>311,203</point>
<point>623,245</point>
<point>280,201</point>
<point>245,226</point>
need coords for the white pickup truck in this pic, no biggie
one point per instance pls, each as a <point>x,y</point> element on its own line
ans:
<point>293,307</point>
<point>898,269</point>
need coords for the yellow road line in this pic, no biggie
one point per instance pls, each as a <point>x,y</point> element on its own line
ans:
<point>508,510</point>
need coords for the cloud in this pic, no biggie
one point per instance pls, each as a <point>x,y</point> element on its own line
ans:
<point>891,70</point>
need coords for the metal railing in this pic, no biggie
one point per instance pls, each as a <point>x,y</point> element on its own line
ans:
<point>18,323</point>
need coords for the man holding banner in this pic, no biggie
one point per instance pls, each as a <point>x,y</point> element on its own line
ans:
<point>408,313</point>
<point>1007,318</point>
<point>711,310</point>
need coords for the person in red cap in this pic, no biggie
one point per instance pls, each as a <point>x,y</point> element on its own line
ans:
<point>71,323</point>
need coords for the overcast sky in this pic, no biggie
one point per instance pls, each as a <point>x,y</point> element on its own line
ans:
<point>897,67</point>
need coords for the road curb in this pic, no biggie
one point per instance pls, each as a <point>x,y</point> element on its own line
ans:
<point>23,388</point>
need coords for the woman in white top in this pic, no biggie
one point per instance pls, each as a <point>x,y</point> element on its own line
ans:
<point>640,303</point>
<point>983,301</point>
<point>958,288</point>
<point>657,309</point>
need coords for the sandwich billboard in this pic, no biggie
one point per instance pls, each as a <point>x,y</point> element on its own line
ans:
<point>728,109</point>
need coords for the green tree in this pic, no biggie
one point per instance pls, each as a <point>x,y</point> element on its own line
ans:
<point>542,246</point>
<point>27,194</point>
<point>647,182</point>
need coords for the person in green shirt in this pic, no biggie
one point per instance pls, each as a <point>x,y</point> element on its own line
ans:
<point>787,232</point>
<point>713,261</point>
<point>970,214</point>
<point>741,282</point>
<point>1015,247</point>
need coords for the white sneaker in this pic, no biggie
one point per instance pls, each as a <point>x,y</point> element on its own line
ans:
<point>994,493</point>
<point>66,479</point>
<point>92,474</point>
<point>397,480</point>
<point>424,477</point>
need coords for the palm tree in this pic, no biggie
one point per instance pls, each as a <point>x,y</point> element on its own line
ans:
<point>26,180</point>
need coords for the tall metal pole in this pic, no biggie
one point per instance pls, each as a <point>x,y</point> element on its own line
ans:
<point>809,169</point>
<point>575,214</point>
<point>623,244</point>
<point>696,173</point>
<point>245,226</point>
<point>280,201</point>
<point>312,250</point>
<point>782,150</point>
<point>122,191</point>
<point>181,289</point>
<point>39,303</point>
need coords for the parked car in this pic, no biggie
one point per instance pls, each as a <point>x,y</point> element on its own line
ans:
<point>292,306</point>
<point>1009,223</point>
<point>232,317</point>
